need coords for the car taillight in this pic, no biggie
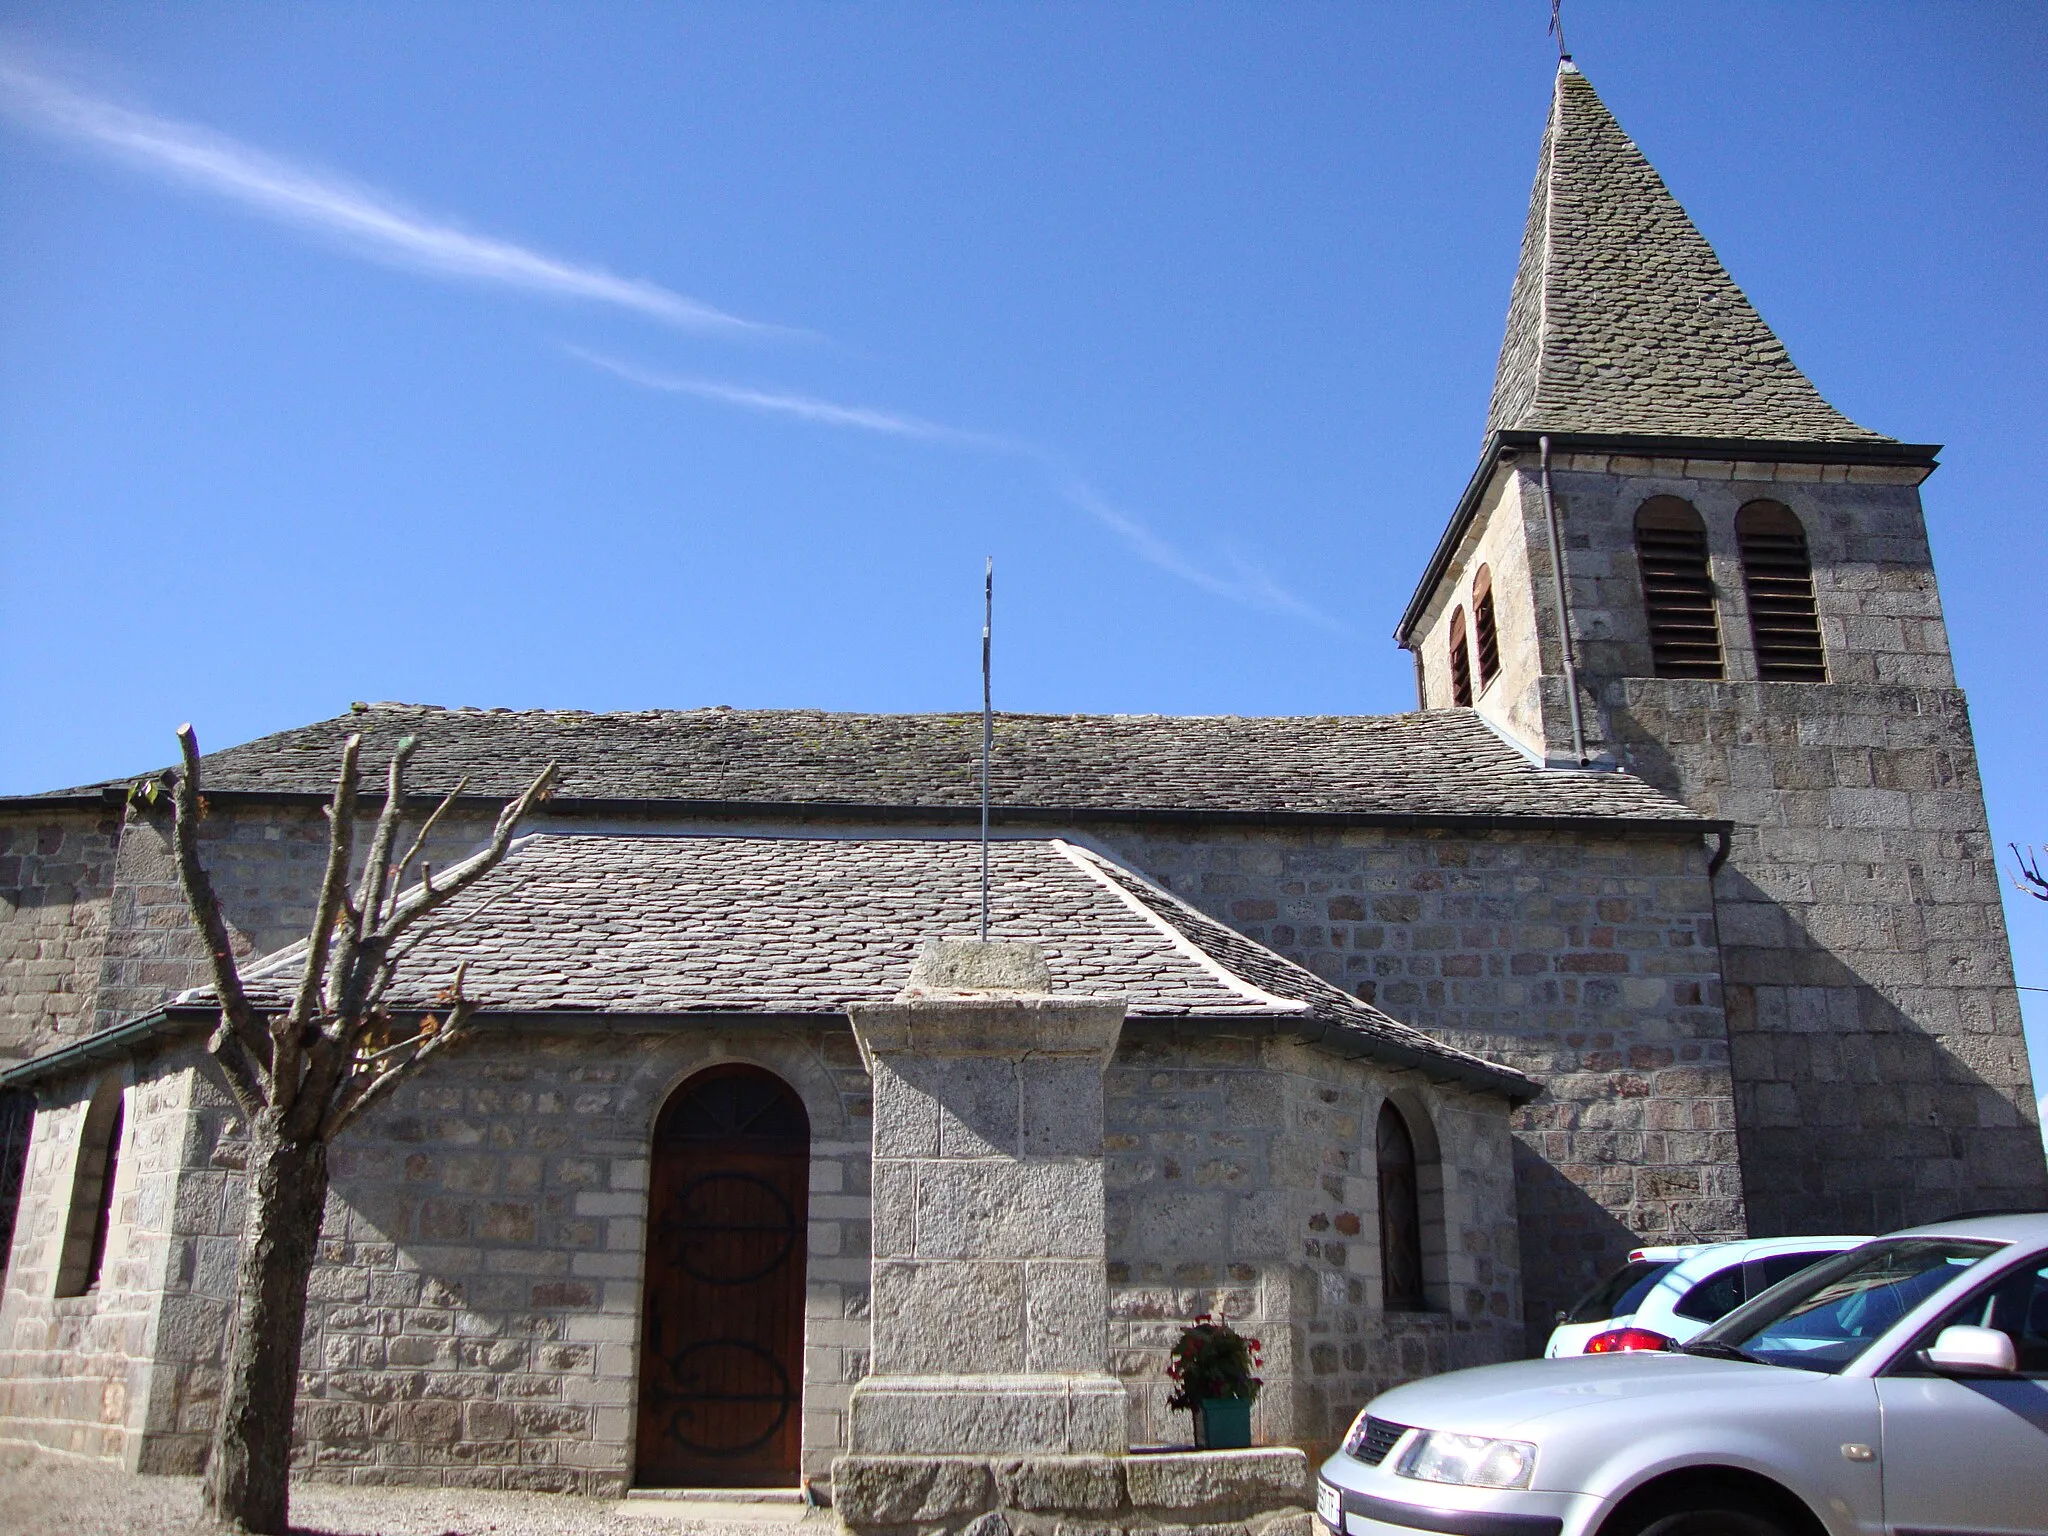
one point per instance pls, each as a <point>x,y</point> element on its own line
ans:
<point>1617,1339</point>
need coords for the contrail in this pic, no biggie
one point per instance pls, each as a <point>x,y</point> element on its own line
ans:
<point>1246,585</point>
<point>374,223</point>
<point>804,407</point>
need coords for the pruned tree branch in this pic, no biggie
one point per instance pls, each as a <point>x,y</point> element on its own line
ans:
<point>409,909</point>
<point>238,1018</point>
<point>2029,879</point>
<point>426,831</point>
<point>377,871</point>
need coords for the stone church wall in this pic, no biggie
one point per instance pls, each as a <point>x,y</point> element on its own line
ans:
<point>56,877</point>
<point>1882,1077</point>
<point>1242,1182</point>
<point>474,1317</point>
<point>86,1375</point>
<point>1591,964</point>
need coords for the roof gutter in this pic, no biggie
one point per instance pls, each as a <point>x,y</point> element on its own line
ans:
<point>173,1021</point>
<point>107,1045</point>
<point>625,809</point>
<point>1502,444</point>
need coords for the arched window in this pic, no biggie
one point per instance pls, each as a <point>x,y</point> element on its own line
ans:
<point>1461,660</point>
<point>1484,630</point>
<point>1678,589</point>
<point>1778,574</point>
<point>1400,1214</point>
<point>92,1191</point>
<point>17,1121</point>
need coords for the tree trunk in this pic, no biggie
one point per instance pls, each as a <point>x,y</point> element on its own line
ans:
<point>247,1474</point>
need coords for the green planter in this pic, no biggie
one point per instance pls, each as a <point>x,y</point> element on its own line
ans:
<point>1223,1424</point>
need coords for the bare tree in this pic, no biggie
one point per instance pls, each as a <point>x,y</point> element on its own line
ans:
<point>2029,878</point>
<point>302,1074</point>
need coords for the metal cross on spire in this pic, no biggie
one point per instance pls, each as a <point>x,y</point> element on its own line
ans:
<point>1557,30</point>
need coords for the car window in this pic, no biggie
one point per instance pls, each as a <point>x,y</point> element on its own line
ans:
<point>1714,1297</point>
<point>1783,1266</point>
<point>1621,1292</point>
<point>2016,1306</point>
<point>1824,1319</point>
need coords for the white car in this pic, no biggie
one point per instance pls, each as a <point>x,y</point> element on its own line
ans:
<point>1896,1388</point>
<point>1666,1294</point>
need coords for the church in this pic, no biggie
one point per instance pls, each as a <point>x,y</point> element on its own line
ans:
<point>1669,914</point>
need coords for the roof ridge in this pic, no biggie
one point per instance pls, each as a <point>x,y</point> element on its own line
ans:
<point>1087,860</point>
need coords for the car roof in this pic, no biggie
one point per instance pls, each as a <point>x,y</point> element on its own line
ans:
<point>2003,1226</point>
<point>1741,1248</point>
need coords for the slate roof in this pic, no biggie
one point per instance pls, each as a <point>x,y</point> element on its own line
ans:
<point>665,925</point>
<point>1435,764</point>
<point>1623,319</point>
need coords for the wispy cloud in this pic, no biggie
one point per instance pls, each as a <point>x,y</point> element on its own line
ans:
<point>1242,582</point>
<point>368,220</point>
<point>804,407</point>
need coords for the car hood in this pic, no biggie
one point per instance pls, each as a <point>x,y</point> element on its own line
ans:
<point>1504,1399</point>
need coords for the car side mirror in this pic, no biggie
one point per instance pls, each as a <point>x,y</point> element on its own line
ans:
<point>1562,1314</point>
<point>1965,1351</point>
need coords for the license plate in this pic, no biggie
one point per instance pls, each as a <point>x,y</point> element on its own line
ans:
<point>1329,1506</point>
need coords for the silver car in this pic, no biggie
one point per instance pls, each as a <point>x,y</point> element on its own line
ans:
<point>1900,1387</point>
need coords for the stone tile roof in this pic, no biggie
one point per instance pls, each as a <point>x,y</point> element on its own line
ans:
<point>1430,764</point>
<point>667,925</point>
<point>1623,319</point>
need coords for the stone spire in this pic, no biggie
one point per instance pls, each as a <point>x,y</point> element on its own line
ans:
<point>1623,319</point>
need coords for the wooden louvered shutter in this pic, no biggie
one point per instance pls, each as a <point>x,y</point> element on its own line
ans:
<point>1678,589</point>
<point>1461,660</point>
<point>1778,574</point>
<point>1484,630</point>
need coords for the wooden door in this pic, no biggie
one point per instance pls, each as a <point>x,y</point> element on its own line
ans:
<point>722,1321</point>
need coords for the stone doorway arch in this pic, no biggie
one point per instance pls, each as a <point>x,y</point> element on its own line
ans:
<point>722,1310</point>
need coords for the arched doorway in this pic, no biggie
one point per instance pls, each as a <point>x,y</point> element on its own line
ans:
<point>722,1317</point>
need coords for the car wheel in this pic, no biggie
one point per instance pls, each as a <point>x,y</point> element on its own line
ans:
<point>1709,1517</point>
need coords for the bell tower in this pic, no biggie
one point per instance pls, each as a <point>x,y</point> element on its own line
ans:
<point>1676,558</point>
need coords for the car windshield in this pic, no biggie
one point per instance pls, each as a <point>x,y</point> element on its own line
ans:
<point>1620,1293</point>
<point>1827,1316</point>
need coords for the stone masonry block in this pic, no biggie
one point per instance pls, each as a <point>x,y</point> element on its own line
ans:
<point>982,1305</point>
<point>1061,1484</point>
<point>1207,1479</point>
<point>899,1490</point>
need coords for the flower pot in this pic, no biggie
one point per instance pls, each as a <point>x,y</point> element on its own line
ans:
<point>1223,1424</point>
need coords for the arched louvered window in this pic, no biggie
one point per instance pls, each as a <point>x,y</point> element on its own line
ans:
<point>1778,574</point>
<point>91,1217</point>
<point>1678,589</point>
<point>1400,1213</point>
<point>1484,630</point>
<point>1461,660</point>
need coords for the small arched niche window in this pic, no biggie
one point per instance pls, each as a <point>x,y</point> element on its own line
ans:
<point>1778,574</point>
<point>1484,630</point>
<point>1461,660</point>
<point>17,1122</point>
<point>91,1216</point>
<point>1400,1177</point>
<point>1678,589</point>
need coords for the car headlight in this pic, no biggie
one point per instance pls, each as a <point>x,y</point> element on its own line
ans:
<point>1473,1461</point>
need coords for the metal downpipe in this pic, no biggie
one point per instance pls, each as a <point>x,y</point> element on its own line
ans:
<point>1564,618</point>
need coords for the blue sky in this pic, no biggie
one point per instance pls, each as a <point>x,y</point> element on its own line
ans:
<point>620,356</point>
